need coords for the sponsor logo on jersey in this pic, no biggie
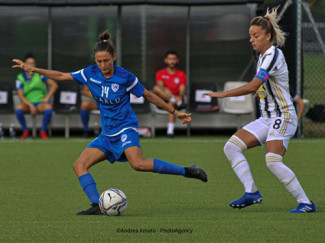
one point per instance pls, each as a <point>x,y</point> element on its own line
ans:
<point>165,76</point>
<point>176,80</point>
<point>107,101</point>
<point>115,87</point>
<point>124,137</point>
<point>95,81</point>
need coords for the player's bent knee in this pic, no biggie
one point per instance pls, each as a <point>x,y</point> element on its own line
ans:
<point>84,106</point>
<point>233,145</point>
<point>273,161</point>
<point>138,165</point>
<point>79,166</point>
<point>19,107</point>
<point>156,89</point>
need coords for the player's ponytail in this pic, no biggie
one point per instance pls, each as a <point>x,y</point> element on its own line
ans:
<point>269,23</point>
<point>105,43</point>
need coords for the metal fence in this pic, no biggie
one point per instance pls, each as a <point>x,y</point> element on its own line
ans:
<point>313,51</point>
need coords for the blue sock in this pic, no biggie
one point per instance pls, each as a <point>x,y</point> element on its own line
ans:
<point>88,184</point>
<point>46,119</point>
<point>163,167</point>
<point>21,118</point>
<point>85,119</point>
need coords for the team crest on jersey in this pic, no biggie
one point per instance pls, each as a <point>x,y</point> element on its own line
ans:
<point>115,87</point>
<point>124,137</point>
<point>176,80</point>
<point>261,92</point>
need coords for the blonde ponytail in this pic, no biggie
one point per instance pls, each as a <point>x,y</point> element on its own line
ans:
<point>279,37</point>
<point>269,23</point>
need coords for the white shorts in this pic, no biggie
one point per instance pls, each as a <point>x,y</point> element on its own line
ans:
<point>268,129</point>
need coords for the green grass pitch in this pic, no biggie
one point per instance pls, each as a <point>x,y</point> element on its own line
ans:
<point>40,195</point>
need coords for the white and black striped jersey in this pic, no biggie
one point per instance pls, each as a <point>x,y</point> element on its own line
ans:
<point>275,98</point>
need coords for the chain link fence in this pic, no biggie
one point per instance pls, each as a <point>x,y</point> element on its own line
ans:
<point>313,51</point>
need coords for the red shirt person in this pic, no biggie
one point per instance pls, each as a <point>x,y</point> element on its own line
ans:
<point>171,86</point>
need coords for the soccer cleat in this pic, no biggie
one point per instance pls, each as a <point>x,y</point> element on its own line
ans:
<point>195,172</point>
<point>304,208</point>
<point>247,199</point>
<point>181,106</point>
<point>94,210</point>
<point>43,135</point>
<point>170,135</point>
<point>86,134</point>
<point>25,134</point>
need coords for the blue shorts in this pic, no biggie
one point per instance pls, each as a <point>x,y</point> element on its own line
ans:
<point>36,104</point>
<point>114,147</point>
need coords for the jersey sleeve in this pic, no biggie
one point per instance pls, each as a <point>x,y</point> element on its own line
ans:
<point>80,76</point>
<point>19,84</point>
<point>269,67</point>
<point>134,86</point>
<point>45,79</point>
<point>293,94</point>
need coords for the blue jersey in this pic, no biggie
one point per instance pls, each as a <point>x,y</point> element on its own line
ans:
<point>112,96</point>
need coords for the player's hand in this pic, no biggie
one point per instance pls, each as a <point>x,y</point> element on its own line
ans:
<point>32,109</point>
<point>185,117</point>
<point>20,64</point>
<point>216,94</point>
<point>45,100</point>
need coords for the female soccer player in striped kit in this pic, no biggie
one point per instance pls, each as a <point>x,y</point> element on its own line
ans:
<point>111,86</point>
<point>278,121</point>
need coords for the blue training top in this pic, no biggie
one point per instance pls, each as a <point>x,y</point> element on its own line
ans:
<point>112,96</point>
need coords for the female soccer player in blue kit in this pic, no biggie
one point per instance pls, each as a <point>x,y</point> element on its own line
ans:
<point>111,86</point>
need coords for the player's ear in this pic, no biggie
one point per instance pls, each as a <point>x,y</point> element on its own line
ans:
<point>268,36</point>
<point>114,57</point>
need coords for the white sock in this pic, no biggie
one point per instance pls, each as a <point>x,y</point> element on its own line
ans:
<point>286,176</point>
<point>172,99</point>
<point>170,129</point>
<point>234,151</point>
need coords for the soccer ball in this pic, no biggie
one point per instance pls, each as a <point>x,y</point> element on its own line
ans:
<point>113,202</point>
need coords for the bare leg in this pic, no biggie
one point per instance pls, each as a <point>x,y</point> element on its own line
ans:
<point>162,92</point>
<point>88,158</point>
<point>137,162</point>
<point>171,122</point>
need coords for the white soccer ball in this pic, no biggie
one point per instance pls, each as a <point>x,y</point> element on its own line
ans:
<point>113,202</point>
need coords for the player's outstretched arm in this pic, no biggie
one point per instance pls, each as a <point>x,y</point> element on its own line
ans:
<point>154,99</point>
<point>56,75</point>
<point>243,90</point>
<point>301,106</point>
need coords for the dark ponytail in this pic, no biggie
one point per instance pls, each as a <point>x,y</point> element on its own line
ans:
<point>105,43</point>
